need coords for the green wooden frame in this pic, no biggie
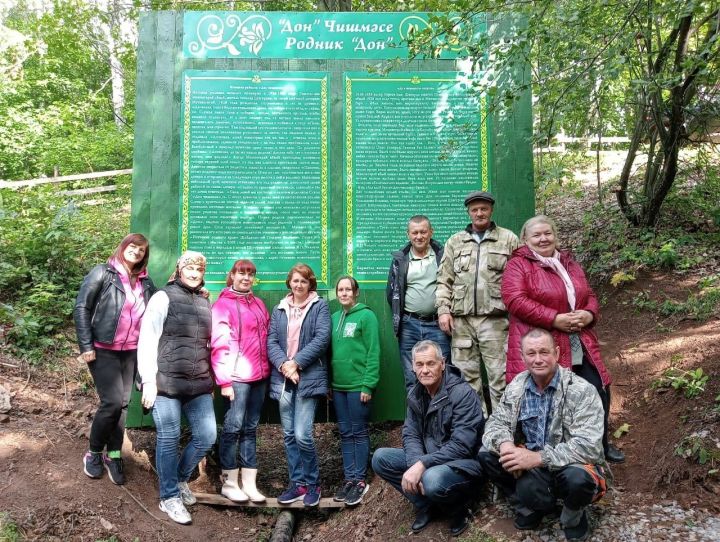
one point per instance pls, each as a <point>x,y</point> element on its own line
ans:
<point>157,166</point>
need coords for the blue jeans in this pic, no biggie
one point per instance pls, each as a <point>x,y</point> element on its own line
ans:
<point>352,417</point>
<point>240,425</point>
<point>167,412</point>
<point>443,485</point>
<point>412,331</point>
<point>297,415</point>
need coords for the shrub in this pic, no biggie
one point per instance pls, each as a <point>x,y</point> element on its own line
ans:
<point>47,244</point>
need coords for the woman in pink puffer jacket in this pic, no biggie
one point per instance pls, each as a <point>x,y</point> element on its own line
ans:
<point>241,368</point>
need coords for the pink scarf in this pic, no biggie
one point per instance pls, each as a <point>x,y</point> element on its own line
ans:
<point>296,316</point>
<point>554,262</point>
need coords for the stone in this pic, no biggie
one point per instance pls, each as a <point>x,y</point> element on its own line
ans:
<point>4,418</point>
<point>4,400</point>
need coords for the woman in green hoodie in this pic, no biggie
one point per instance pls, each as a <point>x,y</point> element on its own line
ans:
<point>355,374</point>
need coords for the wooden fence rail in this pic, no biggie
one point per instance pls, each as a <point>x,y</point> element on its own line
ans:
<point>63,178</point>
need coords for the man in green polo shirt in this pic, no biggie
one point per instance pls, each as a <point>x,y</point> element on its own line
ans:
<point>411,293</point>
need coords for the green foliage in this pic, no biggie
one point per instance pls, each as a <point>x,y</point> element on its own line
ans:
<point>47,244</point>
<point>55,94</point>
<point>698,306</point>
<point>647,70</point>
<point>687,239</point>
<point>699,447</point>
<point>9,532</point>
<point>621,277</point>
<point>554,175</point>
<point>691,382</point>
<point>622,430</point>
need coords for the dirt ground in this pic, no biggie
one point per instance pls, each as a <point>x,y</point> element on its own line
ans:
<point>44,491</point>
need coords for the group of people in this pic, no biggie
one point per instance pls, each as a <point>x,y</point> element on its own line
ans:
<point>501,364</point>
<point>530,412</point>
<point>183,347</point>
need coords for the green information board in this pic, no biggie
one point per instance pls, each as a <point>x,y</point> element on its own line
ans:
<point>399,161</point>
<point>263,135</point>
<point>255,171</point>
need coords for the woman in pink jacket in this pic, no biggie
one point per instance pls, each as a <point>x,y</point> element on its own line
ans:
<point>240,363</point>
<point>547,288</point>
<point>109,307</point>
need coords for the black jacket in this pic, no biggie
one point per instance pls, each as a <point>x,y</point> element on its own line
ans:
<point>99,304</point>
<point>397,280</point>
<point>184,346</point>
<point>450,431</point>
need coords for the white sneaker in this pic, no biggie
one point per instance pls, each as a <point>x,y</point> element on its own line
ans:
<point>176,511</point>
<point>186,494</point>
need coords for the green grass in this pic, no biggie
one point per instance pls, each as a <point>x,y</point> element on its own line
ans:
<point>9,531</point>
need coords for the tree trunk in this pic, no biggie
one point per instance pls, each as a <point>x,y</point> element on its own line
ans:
<point>334,5</point>
<point>108,28</point>
<point>639,133</point>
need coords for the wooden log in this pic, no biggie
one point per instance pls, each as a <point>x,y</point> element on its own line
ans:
<point>214,499</point>
<point>284,527</point>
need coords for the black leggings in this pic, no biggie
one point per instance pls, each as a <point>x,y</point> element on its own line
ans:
<point>113,372</point>
<point>588,371</point>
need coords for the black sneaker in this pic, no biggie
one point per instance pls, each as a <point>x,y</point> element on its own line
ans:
<point>356,493</point>
<point>580,532</point>
<point>115,469</point>
<point>343,491</point>
<point>93,465</point>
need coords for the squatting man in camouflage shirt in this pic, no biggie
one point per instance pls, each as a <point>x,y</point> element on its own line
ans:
<point>544,441</point>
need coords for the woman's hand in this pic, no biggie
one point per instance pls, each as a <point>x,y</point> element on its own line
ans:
<point>149,394</point>
<point>565,322</point>
<point>228,392</point>
<point>290,370</point>
<point>583,318</point>
<point>87,357</point>
<point>365,397</point>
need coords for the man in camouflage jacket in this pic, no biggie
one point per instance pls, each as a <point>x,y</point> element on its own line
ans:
<point>468,300</point>
<point>544,440</point>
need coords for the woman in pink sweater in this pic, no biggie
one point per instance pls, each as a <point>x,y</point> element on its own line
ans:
<point>108,310</point>
<point>240,363</point>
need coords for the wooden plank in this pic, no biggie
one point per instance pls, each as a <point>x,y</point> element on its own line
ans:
<point>142,145</point>
<point>142,163</point>
<point>163,208</point>
<point>172,216</point>
<point>64,178</point>
<point>213,499</point>
<point>512,158</point>
<point>85,191</point>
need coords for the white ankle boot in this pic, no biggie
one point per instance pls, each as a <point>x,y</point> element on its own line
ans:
<point>230,488</point>
<point>249,476</point>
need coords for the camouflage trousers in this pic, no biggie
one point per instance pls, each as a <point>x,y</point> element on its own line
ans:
<point>480,342</point>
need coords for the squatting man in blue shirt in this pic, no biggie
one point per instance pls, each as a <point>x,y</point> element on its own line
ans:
<point>544,441</point>
<point>437,469</point>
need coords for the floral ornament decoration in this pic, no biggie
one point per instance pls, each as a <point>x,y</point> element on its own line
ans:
<point>214,33</point>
